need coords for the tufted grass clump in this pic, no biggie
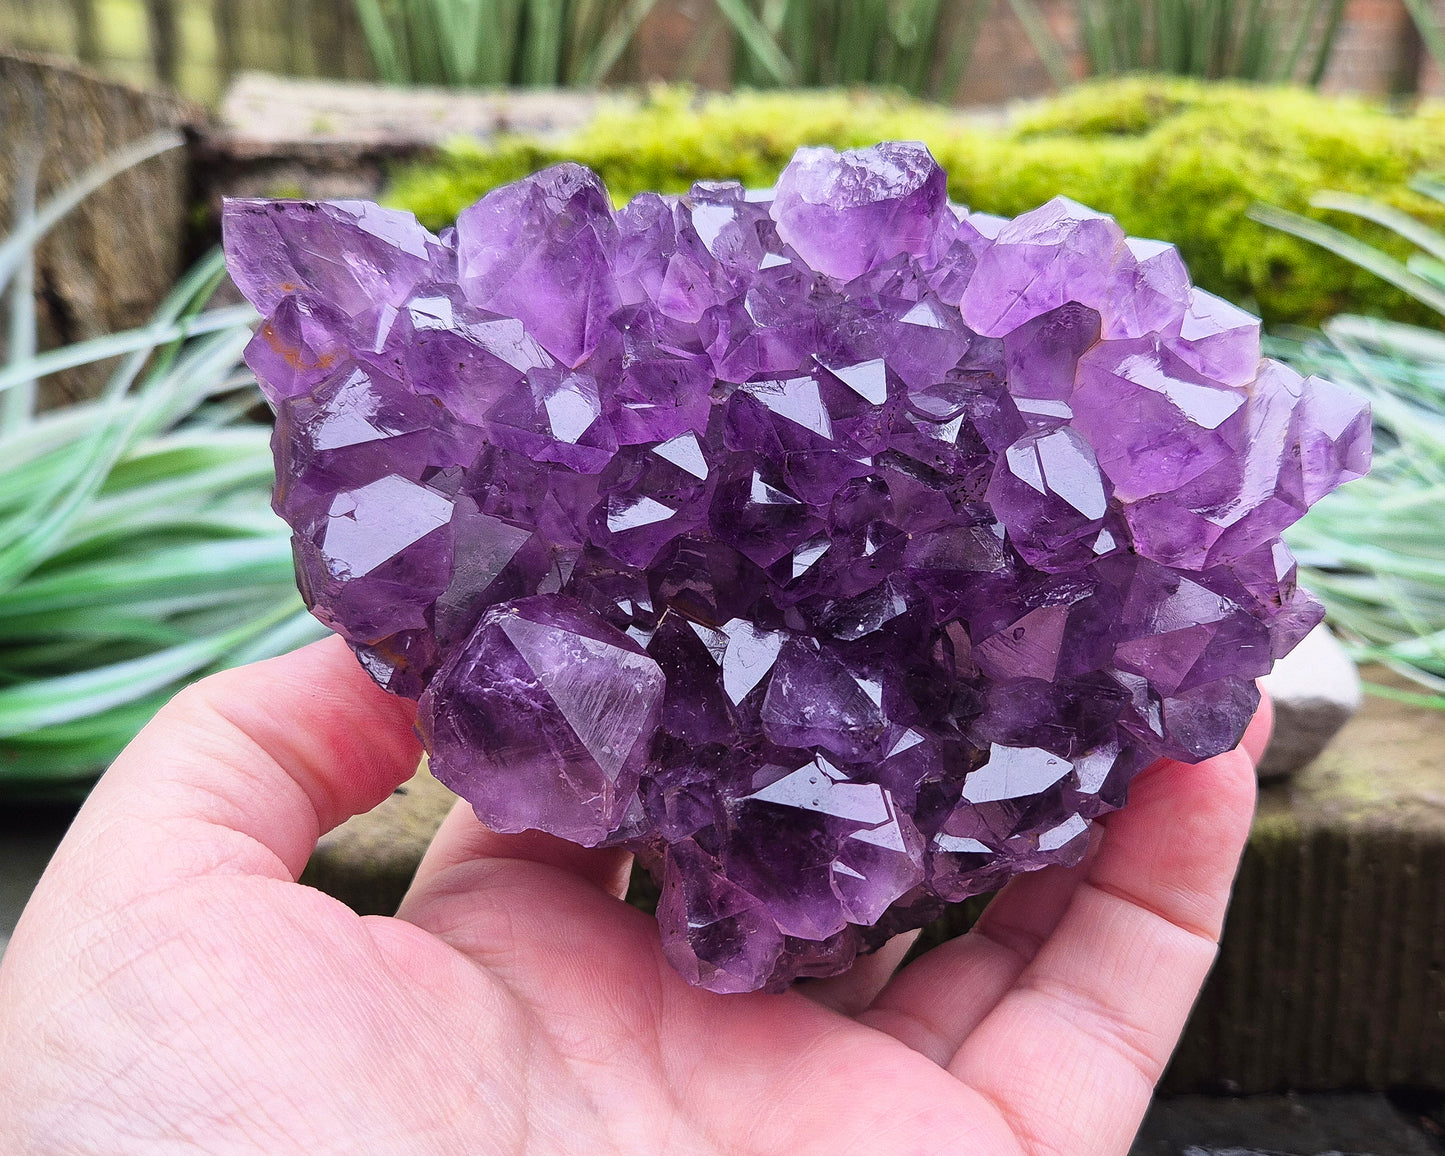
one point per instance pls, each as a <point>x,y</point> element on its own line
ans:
<point>138,550</point>
<point>1374,551</point>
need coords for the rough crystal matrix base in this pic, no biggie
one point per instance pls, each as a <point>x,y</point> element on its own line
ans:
<point>838,551</point>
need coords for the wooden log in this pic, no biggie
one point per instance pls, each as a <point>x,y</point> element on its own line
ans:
<point>108,264</point>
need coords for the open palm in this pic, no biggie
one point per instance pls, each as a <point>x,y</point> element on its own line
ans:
<point>171,988</point>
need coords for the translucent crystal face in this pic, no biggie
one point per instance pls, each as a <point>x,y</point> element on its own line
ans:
<point>837,551</point>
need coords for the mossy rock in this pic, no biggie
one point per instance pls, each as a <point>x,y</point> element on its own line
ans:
<point>1178,160</point>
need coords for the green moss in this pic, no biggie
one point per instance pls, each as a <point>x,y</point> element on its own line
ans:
<point>286,190</point>
<point>1129,107</point>
<point>1173,159</point>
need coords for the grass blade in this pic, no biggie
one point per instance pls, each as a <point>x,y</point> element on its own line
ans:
<point>116,344</point>
<point>17,407</point>
<point>1327,43</point>
<point>1397,221</point>
<point>758,43</point>
<point>601,60</point>
<point>46,702</point>
<point>1050,51</point>
<point>380,42</point>
<point>1422,12</point>
<point>1352,249</point>
<point>960,49</point>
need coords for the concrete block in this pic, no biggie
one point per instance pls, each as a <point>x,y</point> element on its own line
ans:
<point>1315,690</point>
<point>1332,969</point>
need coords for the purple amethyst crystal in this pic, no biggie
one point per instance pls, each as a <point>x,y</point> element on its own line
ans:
<point>839,552</point>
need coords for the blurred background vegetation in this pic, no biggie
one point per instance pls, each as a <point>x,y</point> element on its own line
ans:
<point>1374,551</point>
<point>924,47</point>
<point>138,551</point>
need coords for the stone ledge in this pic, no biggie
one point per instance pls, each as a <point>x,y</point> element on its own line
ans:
<point>369,860</point>
<point>1332,969</point>
<point>1315,690</point>
<point>1311,1125</point>
<point>277,135</point>
<point>262,112</point>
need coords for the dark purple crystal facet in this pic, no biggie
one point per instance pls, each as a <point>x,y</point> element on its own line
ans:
<point>839,552</point>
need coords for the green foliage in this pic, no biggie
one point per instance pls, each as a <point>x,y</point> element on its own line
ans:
<point>137,547</point>
<point>463,43</point>
<point>1174,159</point>
<point>1213,39</point>
<point>667,143</point>
<point>1431,28</point>
<point>1375,551</point>
<point>919,46</point>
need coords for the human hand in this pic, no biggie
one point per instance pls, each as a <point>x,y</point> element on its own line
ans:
<point>171,988</point>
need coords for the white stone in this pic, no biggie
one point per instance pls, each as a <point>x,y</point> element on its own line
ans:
<point>1315,690</point>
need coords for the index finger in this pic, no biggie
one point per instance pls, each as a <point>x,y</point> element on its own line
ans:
<point>243,772</point>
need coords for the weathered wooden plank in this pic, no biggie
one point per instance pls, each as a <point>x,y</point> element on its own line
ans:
<point>108,264</point>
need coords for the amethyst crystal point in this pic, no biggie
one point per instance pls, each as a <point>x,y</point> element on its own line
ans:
<point>846,214</point>
<point>351,254</point>
<point>542,251</point>
<point>839,552</point>
<point>543,719</point>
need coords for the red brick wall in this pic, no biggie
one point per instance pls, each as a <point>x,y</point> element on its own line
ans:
<point>1005,65</point>
<point>1378,52</point>
<point>1374,52</point>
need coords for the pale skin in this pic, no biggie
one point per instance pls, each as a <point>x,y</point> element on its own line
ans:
<point>172,989</point>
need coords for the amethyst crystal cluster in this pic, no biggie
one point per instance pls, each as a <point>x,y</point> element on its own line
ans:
<point>838,551</point>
